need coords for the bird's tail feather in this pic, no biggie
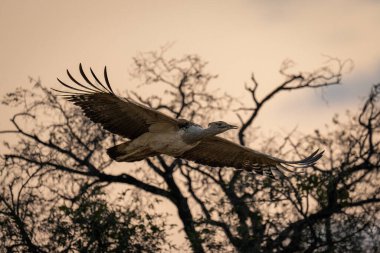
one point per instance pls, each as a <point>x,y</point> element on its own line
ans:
<point>118,150</point>
<point>119,153</point>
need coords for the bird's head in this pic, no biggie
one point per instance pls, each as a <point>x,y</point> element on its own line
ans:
<point>220,126</point>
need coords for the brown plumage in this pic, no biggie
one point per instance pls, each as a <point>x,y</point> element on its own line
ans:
<point>152,132</point>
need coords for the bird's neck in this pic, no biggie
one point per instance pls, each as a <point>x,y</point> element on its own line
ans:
<point>197,134</point>
<point>209,132</point>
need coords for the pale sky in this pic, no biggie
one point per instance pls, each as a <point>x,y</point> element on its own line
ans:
<point>43,38</point>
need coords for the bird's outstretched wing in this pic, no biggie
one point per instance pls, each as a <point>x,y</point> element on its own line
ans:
<point>219,152</point>
<point>116,114</point>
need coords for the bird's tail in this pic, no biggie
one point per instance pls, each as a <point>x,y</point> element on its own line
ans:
<point>117,151</point>
<point>121,153</point>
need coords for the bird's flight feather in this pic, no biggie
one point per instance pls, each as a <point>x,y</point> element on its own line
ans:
<point>127,118</point>
<point>219,152</point>
<point>118,115</point>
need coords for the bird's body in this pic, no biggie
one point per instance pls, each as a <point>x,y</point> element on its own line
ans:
<point>152,143</point>
<point>151,132</point>
<point>168,143</point>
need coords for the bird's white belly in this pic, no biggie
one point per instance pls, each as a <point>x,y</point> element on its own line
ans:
<point>169,143</point>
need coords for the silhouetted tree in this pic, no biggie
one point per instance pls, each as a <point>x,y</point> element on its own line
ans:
<point>57,181</point>
<point>54,193</point>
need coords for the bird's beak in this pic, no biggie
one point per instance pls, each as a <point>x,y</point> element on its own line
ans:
<point>233,127</point>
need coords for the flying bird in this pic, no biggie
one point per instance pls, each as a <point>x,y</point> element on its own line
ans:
<point>151,132</point>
